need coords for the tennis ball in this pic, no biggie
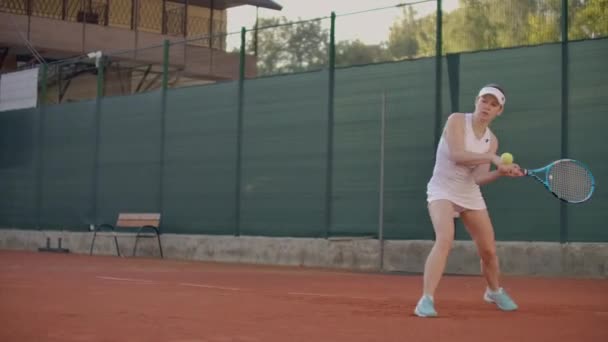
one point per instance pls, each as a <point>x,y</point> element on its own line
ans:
<point>506,158</point>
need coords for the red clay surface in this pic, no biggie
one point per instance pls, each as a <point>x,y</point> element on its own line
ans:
<point>55,297</point>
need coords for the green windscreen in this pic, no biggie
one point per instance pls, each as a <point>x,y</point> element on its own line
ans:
<point>587,120</point>
<point>529,128</point>
<point>284,155</point>
<point>200,171</point>
<point>67,166</point>
<point>129,155</point>
<point>405,94</point>
<point>18,168</point>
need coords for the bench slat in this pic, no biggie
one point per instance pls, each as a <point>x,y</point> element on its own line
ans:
<point>136,223</point>
<point>130,220</point>
<point>138,216</point>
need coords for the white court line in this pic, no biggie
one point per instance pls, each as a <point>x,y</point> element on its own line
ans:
<point>129,280</point>
<point>332,296</point>
<point>211,287</point>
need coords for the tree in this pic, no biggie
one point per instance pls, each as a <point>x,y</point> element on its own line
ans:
<point>544,25</point>
<point>403,37</point>
<point>357,53</point>
<point>588,19</point>
<point>283,47</point>
<point>475,25</point>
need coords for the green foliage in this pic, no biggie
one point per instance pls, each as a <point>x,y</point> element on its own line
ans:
<point>589,19</point>
<point>286,48</point>
<point>403,40</point>
<point>357,53</point>
<point>474,25</point>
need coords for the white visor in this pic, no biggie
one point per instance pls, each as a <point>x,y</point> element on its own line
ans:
<point>495,92</point>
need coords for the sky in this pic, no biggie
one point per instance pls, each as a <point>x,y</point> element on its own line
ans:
<point>370,28</point>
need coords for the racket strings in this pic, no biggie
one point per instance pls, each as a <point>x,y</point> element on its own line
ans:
<point>570,181</point>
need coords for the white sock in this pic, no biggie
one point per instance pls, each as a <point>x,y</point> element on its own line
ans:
<point>429,297</point>
<point>494,292</point>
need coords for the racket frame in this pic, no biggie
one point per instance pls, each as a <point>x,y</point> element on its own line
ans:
<point>534,173</point>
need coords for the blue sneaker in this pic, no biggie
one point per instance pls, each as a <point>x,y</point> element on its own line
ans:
<point>425,307</point>
<point>501,299</point>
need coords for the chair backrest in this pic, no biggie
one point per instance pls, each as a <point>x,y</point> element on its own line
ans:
<point>129,220</point>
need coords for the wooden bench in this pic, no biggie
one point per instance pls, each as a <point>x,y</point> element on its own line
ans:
<point>148,224</point>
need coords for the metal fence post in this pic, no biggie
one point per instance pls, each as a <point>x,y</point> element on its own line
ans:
<point>438,76</point>
<point>563,209</point>
<point>97,137</point>
<point>40,155</point>
<point>100,78</point>
<point>330,127</point>
<point>163,110</point>
<point>239,135</point>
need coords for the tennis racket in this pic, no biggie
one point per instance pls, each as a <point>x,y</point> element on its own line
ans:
<point>567,179</point>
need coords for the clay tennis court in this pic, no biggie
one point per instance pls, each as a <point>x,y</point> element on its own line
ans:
<point>67,297</point>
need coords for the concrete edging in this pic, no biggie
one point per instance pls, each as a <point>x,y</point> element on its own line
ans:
<point>516,258</point>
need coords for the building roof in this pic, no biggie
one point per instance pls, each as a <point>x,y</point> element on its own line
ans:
<point>223,4</point>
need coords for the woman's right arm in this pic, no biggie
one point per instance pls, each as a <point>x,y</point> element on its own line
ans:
<point>454,132</point>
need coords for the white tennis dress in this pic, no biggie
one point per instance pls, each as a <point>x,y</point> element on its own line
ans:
<point>455,182</point>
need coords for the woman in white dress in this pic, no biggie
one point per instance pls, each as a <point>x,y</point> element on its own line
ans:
<point>466,150</point>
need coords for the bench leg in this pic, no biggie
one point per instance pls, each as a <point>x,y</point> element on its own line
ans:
<point>159,246</point>
<point>135,246</point>
<point>116,243</point>
<point>93,243</point>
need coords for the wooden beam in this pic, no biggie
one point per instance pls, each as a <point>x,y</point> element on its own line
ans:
<point>211,24</point>
<point>186,19</point>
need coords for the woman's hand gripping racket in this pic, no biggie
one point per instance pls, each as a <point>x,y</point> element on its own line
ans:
<point>567,179</point>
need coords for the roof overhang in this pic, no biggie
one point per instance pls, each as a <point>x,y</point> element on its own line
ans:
<point>224,4</point>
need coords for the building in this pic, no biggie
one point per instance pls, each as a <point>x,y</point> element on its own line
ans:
<point>121,29</point>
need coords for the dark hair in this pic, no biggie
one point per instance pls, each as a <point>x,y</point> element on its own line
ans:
<point>497,86</point>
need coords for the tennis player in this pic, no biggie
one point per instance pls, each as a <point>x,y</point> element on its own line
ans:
<point>466,150</point>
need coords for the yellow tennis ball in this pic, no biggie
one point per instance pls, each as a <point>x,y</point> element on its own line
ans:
<point>506,158</point>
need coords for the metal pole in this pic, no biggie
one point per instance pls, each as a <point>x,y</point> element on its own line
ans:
<point>43,88</point>
<point>239,136</point>
<point>381,181</point>
<point>330,127</point>
<point>453,63</point>
<point>563,209</point>
<point>163,108</point>
<point>100,78</point>
<point>438,78</point>
<point>40,156</point>
<point>96,144</point>
<point>255,39</point>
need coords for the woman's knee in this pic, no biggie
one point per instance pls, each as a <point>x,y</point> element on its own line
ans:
<point>487,253</point>
<point>443,243</point>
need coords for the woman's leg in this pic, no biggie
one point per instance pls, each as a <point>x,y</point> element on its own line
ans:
<point>480,228</point>
<point>442,217</point>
